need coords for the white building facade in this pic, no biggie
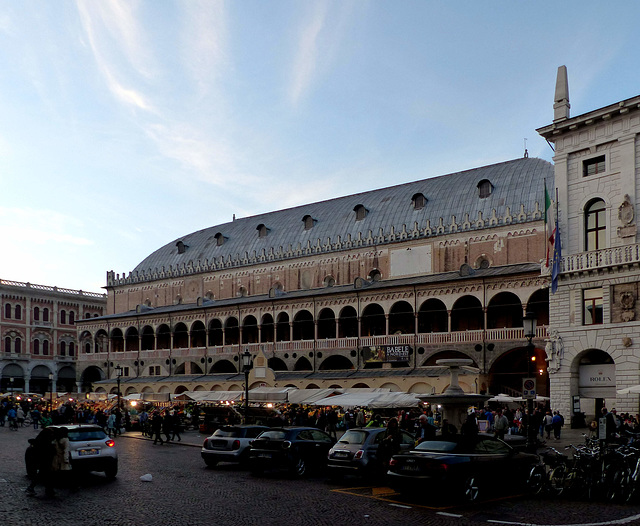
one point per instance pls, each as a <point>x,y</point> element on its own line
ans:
<point>594,346</point>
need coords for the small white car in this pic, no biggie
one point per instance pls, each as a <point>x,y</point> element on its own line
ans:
<point>230,444</point>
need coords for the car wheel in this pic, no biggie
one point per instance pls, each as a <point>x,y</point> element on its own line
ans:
<point>471,489</point>
<point>536,480</point>
<point>111,471</point>
<point>299,467</point>
<point>210,462</point>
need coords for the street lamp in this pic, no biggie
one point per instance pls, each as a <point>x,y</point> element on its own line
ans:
<point>247,365</point>
<point>529,323</point>
<point>118,376</point>
<point>50,392</point>
<point>11,386</point>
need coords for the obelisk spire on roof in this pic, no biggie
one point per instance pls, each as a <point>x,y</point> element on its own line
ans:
<point>561,101</point>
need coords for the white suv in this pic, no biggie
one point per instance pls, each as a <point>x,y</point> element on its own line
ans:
<point>91,449</point>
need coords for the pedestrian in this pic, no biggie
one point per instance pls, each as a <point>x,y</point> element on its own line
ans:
<point>11,417</point>
<point>548,424</point>
<point>556,423</point>
<point>111,425</point>
<point>19,416</point>
<point>176,426</point>
<point>426,431</point>
<point>376,421</point>
<point>167,426</point>
<point>390,443</point>
<point>35,417</point>
<point>360,419</point>
<point>501,425</point>
<point>156,428</point>
<point>43,453</point>
<point>332,423</point>
<point>61,464</point>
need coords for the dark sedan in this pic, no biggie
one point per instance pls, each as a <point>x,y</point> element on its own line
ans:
<point>463,468</point>
<point>356,452</point>
<point>294,449</point>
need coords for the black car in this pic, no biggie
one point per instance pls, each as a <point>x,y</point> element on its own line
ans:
<point>294,449</point>
<point>461,467</point>
<point>356,452</point>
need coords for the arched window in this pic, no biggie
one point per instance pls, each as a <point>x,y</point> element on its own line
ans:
<point>18,312</point>
<point>419,201</point>
<point>63,317</point>
<point>263,231</point>
<point>17,345</point>
<point>36,346</point>
<point>36,313</point>
<point>45,314</point>
<point>87,348</point>
<point>309,222</point>
<point>7,344</point>
<point>595,225</point>
<point>45,347</point>
<point>484,188</point>
<point>63,349</point>
<point>72,318</point>
<point>72,349</point>
<point>7,311</point>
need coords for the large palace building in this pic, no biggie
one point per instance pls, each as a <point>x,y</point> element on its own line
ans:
<point>39,337</point>
<point>368,290</point>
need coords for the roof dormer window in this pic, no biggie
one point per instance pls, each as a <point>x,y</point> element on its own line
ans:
<point>418,201</point>
<point>309,222</point>
<point>485,188</point>
<point>220,239</point>
<point>361,212</point>
<point>263,231</point>
<point>181,247</point>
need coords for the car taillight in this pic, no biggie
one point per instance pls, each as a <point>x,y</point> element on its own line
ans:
<point>392,462</point>
<point>204,444</point>
<point>236,444</point>
<point>110,443</point>
<point>358,455</point>
<point>286,444</point>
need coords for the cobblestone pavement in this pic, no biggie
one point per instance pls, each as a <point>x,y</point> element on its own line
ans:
<point>184,492</point>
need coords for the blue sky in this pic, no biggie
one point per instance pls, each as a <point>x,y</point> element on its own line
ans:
<point>127,124</point>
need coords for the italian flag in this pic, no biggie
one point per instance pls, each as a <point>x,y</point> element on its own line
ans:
<point>549,223</point>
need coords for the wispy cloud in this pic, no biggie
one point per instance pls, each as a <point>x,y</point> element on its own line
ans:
<point>305,61</point>
<point>111,29</point>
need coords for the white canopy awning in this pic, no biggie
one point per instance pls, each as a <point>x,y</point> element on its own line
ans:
<point>634,389</point>
<point>210,396</point>
<point>373,400</point>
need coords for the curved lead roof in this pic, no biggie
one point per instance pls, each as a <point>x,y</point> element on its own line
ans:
<point>514,183</point>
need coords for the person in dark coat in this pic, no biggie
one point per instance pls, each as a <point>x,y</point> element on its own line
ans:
<point>426,431</point>
<point>156,428</point>
<point>167,426</point>
<point>43,454</point>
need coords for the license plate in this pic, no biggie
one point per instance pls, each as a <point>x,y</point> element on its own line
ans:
<point>341,454</point>
<point>264,455</point>
<point>86,452</point>
<point>410,468</point>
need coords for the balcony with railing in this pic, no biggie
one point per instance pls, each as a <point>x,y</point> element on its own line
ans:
<point>606,257</point>
<point>435,339</point>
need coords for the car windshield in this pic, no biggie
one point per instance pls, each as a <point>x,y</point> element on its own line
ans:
<point>440,446</point>
<point>231,432</point>
<point>274,434</point>
<point>82,435</point>
<point>354,437</point>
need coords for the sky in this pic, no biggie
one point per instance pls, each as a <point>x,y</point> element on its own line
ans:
<point>125,125</point>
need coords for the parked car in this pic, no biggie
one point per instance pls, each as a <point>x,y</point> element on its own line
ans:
<point>91,450</point>
<point>356,452</point>
<point>229,444</point>
<point>462,467</point>
<point>294,449</point>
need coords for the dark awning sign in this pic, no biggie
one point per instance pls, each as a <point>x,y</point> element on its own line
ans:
<point>386,353</point>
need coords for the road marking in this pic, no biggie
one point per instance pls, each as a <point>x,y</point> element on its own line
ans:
<point>624,520</point>
<point>400,506</point>
<point>444,514</point>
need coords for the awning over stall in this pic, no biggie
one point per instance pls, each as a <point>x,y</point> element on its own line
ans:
<point>372,400</point>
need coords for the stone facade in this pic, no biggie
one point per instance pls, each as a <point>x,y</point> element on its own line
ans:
<point>440,268</point>
<point>594,312</point>
<point>38,335</point>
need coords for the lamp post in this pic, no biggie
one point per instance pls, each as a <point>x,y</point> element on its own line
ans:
<point>118,376</point>
<point>50,392</point>
<point>247,365</point>
<point>11,386</point>
<point>529,323</point>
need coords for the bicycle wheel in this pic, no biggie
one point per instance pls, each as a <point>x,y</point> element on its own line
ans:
<point>557,480</point>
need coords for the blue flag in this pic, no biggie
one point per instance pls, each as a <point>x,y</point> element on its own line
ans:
<point>555,265</point>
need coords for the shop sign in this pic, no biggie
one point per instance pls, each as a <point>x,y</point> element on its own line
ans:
<point>603,375</point>
<point>386,353</point>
